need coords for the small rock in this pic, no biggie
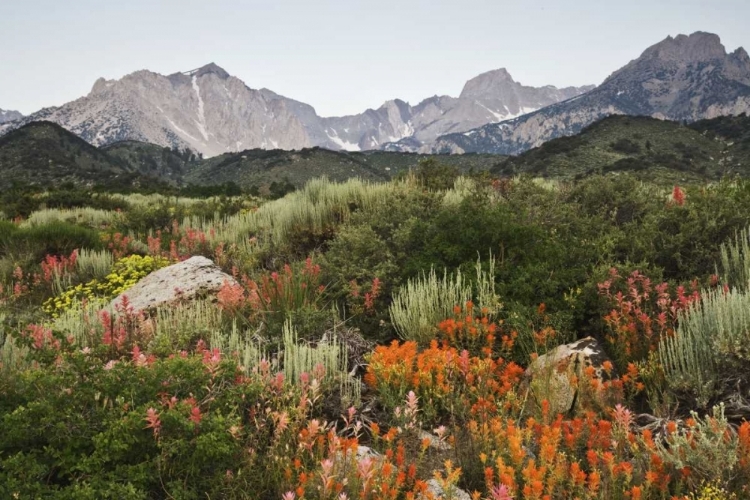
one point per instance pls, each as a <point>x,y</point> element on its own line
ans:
<point>362,453</point>
<point>182,281</point>
<point>435,442</point>
<point>433,486</point>
<point>366,452</point>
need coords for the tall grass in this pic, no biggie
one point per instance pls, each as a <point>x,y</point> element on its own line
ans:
<point>94,263</point>
<point>147,200</point>
<point>316,207</point>
<point>248,349</point>
<point>302,358</point>
<point>12,356</point>
<point>86,216</point>
<point>297,358</point>
<point>710,333</point>
<point>462,188</point>
<point>328,353</point>
<point>182,326</point>
<point>81,321</point>
<point>735,260</point>
<point>420,304</point>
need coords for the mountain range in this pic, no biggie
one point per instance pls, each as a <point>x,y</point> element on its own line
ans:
<point>208,111</point>
<point>685,78</point>
<point>211,112</point>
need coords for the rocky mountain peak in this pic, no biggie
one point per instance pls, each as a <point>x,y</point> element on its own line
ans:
<point>9,116</point>
<point>210,68</point>
<point>698,47</point>
<point>487,83</point>
<point>186,77</point>
<point>99,86</point>
<point>740,56</point>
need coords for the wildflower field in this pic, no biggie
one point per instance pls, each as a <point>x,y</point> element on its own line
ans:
<point>379,341</point>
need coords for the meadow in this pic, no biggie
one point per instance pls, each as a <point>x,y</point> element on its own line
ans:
<point>376,342</point>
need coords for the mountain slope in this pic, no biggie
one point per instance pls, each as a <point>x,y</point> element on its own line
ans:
<point>212,112</point>
<point>9,116</point>
<point>653,149</point>
<point>150,159</point>
<point>682,78</point>
<point>260,168</point>
<point>43,153</point>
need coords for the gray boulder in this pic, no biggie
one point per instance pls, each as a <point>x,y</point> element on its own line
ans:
<point>558,375</point>
<point>194,277</point>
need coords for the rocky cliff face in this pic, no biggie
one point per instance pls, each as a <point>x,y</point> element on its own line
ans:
<point>212,112</point>
<point>9,116</point>
<point>681,78</point>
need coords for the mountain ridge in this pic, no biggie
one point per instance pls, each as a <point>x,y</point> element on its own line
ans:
<point>681,78</point>
<point>212,112</point>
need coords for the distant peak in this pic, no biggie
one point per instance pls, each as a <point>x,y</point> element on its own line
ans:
<point>700,46</point>
<point>209,68</point>
<point>480,85</point>
<point>500,74</point>
<point>100,85</point>
<point>8,115</point>
<point>741,54</point>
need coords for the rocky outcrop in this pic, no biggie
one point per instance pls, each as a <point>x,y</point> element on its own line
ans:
<point>9,116</point>
<point>187,280</point>
<point>682,78</point>
<point>209,111</point>
<point>557,375</point>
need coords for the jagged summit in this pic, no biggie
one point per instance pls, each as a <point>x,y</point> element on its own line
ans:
<point>700,46</point>
<point>486,82</point>
<point>208,68</point>
<point>9,115</point>
<point>741,54</point>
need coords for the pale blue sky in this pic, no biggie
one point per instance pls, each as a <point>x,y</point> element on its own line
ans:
<point>339,56</point>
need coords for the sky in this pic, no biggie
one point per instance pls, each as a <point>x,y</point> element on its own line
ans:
<point>340,56</point>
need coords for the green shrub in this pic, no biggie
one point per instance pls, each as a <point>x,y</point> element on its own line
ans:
<point>707,448</point>
<point>626,146</point>
<point>180,428</point>
<point>33,243</point>
<point>434,175</point>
